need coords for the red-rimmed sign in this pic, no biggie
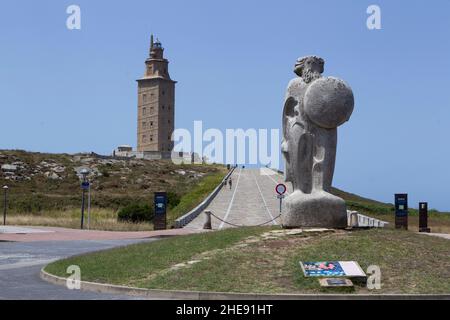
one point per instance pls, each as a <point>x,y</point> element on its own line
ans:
<point>280,189</point>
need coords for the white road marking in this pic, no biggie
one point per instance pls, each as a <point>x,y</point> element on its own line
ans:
<point>231,201</point>
<point>264,200</point>
<point>26,264</point>
<point>276,182</point>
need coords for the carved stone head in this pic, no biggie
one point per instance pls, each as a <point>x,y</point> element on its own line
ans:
<point>309,68</point>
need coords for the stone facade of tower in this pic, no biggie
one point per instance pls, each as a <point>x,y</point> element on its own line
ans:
<point>156,103</point>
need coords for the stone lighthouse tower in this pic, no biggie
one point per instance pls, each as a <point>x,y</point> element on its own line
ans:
<point>156,103</point>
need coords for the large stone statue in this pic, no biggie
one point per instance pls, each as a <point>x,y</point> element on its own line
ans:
<point>314,107</point>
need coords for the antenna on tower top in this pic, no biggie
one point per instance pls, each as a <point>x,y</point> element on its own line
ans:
<point>151,41</point>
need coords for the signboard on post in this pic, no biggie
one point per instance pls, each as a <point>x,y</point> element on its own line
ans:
<point>401,211</point>
<point>160,220</point>
<point>281,190</point>
<point>423,217</point>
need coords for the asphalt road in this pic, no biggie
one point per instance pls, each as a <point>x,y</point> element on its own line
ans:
<point>21,262</point>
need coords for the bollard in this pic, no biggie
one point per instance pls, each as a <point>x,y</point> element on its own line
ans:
<point>207,225</point>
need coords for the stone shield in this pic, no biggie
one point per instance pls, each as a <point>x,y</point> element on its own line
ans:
<point>329,102</point>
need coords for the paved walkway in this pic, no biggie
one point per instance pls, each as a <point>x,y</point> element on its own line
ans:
<point>440,235</point>
<point>251,201</point>
<point>31,234</point>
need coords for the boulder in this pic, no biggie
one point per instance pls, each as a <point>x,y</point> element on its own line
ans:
<point>9,168</point>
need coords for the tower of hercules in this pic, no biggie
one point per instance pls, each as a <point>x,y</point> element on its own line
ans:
<point>156,103</point>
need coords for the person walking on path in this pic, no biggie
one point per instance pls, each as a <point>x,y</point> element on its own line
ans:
<point>230,182</point>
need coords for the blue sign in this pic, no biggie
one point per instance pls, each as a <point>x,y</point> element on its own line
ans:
<point>401,204</point>
<point>160,203</point>
<point>323,269</point>
<point>85,185</point>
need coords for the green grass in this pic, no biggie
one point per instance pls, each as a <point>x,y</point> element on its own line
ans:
<point>131,264</point>
<point>407,264</point>
<point>195,196</point>
<point>241,260</point>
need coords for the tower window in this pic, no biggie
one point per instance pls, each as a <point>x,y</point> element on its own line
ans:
<point>144,111</point>
<point>144,125</point>
<point>163,107</point>
<point>168,121</point>
<point>144,138</point>
<point>151,123</point>
<point>151,138</point>
<point>163,93</point>
<point>144,98</point>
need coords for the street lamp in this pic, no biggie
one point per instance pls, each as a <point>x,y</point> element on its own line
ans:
<point>84,185</point>
<point>5,188</point>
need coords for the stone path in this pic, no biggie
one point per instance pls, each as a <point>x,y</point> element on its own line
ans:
<point>251,201</point>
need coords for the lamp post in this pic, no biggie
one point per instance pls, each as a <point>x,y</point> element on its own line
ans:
<point>5,204</point>
<point>84,185</point>
<point>89,206</point>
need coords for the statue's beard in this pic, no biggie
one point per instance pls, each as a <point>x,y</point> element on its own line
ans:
<point>309,75</point>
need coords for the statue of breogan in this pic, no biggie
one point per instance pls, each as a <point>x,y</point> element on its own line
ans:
<point>313,109</point>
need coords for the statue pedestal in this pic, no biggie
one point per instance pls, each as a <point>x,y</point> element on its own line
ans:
<point>318,209</point>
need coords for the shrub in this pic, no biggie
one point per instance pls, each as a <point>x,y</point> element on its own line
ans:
<point>173,199</point>
<point>135,212</point>
<point>104,172</point>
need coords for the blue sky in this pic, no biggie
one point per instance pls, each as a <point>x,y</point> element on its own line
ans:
<point>71,91</point>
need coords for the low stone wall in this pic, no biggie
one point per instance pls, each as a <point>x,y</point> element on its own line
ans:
<point>358,220</point>
<point>191,215</point>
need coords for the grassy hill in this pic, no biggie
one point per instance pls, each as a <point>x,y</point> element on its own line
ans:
<point>45,188</point>
<point>266,260</point>
<point>438,221</point>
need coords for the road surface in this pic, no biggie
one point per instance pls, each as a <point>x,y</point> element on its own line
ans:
<point>21,262</point>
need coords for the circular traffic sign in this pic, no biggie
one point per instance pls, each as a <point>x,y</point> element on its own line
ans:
<point>280,189</point>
